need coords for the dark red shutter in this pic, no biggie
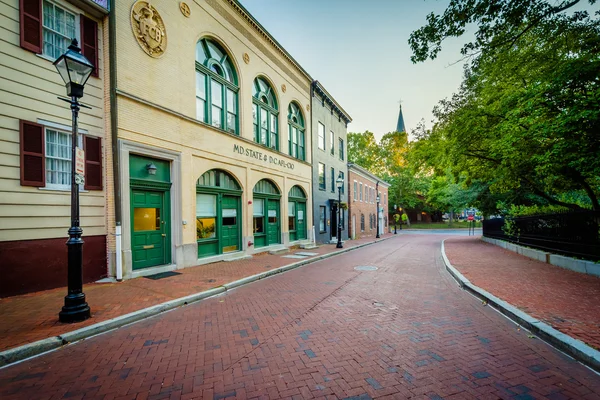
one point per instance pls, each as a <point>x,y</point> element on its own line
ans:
<point>89,41</point>
<point>93,162</point>
<point>30,12</point>
<point>33,150</point>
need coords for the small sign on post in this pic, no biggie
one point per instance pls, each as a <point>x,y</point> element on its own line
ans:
<point>79,161</point>
<point>79,166</point>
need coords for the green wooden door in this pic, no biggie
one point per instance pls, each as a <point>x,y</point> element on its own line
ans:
<point>273,235</point>
<point>149,228</point>
<point>230,224</point>
<point>301,220</point>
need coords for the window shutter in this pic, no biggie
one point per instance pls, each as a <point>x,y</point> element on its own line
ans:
<point>33,150</point>
<point>89,41</point>
<point>30,12</point>
<point>92,147</point>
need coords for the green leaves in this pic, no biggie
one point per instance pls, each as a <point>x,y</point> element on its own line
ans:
<point>526,120</point>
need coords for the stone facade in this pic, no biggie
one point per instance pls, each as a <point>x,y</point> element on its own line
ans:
<point>329,150</point>
<point>362,202</point>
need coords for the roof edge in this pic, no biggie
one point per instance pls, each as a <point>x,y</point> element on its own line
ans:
<point>370,175</point>
<point>319,87</point>
<point>261,29</point>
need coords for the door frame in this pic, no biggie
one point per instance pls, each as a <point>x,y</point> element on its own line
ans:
<point>166,206</point>
<point>175,197</point>
<point>220,192</point>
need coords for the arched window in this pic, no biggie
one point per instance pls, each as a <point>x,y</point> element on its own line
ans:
<point>265,206</point>
<point>362,222</point>
<point>264,113</point>
<point>296,132</point>
<point>216,87</point>
<point>218,213</point>
<point>296,213</point>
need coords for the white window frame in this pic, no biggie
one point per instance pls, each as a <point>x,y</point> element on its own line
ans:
<point>321,138</point>
<point>56,186</point>
<point>360,192</point>
<point>332,138</point>
<point>355,189</point>
<point>68,8</point>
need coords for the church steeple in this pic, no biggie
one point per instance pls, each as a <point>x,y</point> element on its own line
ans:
<point>400,125</point>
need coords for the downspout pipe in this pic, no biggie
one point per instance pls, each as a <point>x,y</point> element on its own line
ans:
<point>112,56</point>
<point>377,213</point>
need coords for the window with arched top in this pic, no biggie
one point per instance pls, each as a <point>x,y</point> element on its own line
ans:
<point>264,114</point>
<point>296,132</point>
<point>216,87</point>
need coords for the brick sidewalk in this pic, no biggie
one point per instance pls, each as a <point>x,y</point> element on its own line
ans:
<point>34,316</point>
<point>566,300</point>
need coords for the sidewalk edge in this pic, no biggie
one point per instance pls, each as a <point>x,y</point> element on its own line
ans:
<point>573,347</point>
<point>33,349</point>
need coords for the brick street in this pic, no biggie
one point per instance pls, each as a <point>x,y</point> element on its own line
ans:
<point>322,331</point>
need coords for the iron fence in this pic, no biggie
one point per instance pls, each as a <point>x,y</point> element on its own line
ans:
<point>571,233</point>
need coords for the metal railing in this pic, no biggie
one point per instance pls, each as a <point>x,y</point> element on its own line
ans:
<point>571,233</point>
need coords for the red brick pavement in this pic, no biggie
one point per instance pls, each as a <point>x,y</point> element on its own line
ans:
<point>566,300</point>
<point>321,331</point>
<point>34,316</point>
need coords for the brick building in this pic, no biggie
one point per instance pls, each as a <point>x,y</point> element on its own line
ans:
<point>362,203</point>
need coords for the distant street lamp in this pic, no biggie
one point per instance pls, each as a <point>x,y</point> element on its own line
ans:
<point>339,182</point>
<point>377,236</point>
<point>395,220</point>
<point>75,70</point>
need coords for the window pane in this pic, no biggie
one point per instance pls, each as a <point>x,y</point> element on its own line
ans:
<point>58,157</point>
<point>216,117</point>
<point>258,207</point>
<point>322,218</point>
<point>263,126</point>
<point>200,85</point>
<point>332,180</point>
<point>321,176</point>
<point>331,137</point>
<point>206,205</point>
<point>231,118</point>
<point>200,110</point>
<point>274,143</point>
<point>231,106</point>
<point>259,224</point>
<point>146,219</point>
<point>205,228</point>
<point>216,93</point>
<point>321,142</point>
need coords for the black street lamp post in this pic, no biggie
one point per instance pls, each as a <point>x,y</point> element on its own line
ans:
<point>75,70</point>
<point>395,220</point>
<point>377,213</point>
<point>339,182</point>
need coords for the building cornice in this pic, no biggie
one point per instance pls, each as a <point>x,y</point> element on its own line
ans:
<point>357,169</point>
<point>318,88</point>
<point>245,14</point>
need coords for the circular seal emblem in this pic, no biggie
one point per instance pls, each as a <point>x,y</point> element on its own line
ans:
<point>185,9</point>
<point>246,58</point>
<point>283,88</point>
<point>307,107</point>
<point>148,28</point>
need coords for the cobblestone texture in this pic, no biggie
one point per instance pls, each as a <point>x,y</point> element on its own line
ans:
<point>566,300</point>
<point>321,331</point>
<point>34,316</point>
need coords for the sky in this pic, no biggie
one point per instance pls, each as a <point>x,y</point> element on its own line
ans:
<point>358,50</point>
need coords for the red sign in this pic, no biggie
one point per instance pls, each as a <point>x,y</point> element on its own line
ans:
<point>470,218</point>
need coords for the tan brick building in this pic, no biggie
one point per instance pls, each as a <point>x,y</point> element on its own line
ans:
<point>362,203</point>
<point>213,134</point>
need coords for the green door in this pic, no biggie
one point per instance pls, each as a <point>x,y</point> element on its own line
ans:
<point>230,224</point>
<point>301,225</point>
<point>149,228</point>
<point>273,235</point>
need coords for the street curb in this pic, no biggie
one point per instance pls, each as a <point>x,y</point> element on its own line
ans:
<point>573,347</point>
<point>20,353</point>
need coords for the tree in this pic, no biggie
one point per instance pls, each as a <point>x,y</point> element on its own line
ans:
<point>500,23</point>
<point>527,116</point>
<point>364,151</point>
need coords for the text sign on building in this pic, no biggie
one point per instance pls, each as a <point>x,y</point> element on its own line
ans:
<point>260,156</point>
<point>79,161</point>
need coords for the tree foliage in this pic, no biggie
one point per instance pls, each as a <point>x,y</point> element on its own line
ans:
<point>526,120</point>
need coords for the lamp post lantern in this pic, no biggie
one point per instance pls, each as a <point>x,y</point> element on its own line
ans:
<point>339,182</point>
<point>75,70</point>
<point>395,220</point>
